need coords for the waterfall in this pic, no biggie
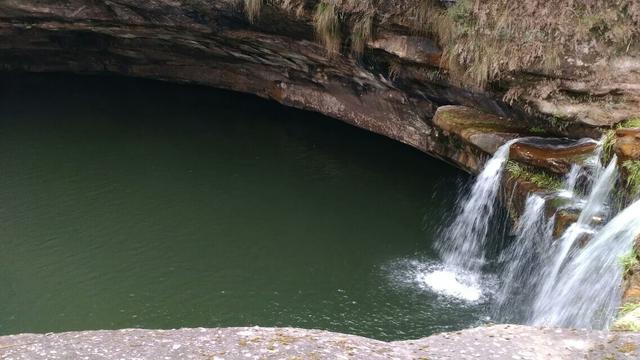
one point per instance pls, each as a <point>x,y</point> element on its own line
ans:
<point>565,247</point>
<point>587,291</point>
<point>579,286</point>
<point>521,259</point>
<point>573,281</point>
<point>462,243</point>
<point>565,282</point>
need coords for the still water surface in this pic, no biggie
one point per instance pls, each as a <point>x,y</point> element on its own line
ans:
<point>129,203</point>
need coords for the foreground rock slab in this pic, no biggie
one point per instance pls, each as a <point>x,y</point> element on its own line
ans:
<point>490,342</point>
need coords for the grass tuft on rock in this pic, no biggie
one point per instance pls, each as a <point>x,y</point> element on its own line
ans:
<point>628,317</point>
<point>252,9</point>
<point>608,142</point>
<point>632,168</point>
<point>361,32</point>
<point>628,307</point>
<point>327,26</point>
<point>538,177</point>
<point>628,261</point>
<point>485,40</point>
<point>609,138</point>
<point>630,123</point>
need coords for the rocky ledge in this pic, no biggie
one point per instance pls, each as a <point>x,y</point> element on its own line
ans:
<point>490,342</point>
<point>391,82</point>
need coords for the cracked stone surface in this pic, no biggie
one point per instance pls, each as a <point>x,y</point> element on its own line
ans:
<point>490,342</point>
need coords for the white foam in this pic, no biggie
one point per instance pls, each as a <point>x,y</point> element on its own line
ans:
<point>448,283</point>
<point>451,283</point>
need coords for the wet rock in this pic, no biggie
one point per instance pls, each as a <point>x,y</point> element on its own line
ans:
<point>627,144</point>
<point>500,342</point>
<point>515,192</point>
<point>555,155</point>
<point>486,131</point>
<point>564,219</point>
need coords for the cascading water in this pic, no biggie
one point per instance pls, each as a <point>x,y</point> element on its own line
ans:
<point>521,259</point>
<point>586,293</point>
<point>573,281</point>
<point>583,228</point>
<point>570,182</point>
<point>553,305</point>
<point>462,244</point>
<point>535,264</point>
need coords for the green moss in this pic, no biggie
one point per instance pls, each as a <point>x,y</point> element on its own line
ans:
<point>632,167</point>
<point>537,130</point>
<point>627,326</point>
<point>627,321</point>
<point>540,178</point>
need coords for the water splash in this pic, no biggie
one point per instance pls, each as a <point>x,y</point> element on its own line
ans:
<point>460,285</point>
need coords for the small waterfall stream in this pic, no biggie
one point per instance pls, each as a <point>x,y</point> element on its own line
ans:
<point>463,242</point>
<point>586,292</point>
<point>521,259</point>
<point>573,281</point>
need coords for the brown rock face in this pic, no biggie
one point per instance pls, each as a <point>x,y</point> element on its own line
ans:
<point>393,88</point>
<point>212,43</point>
<point>564,219</point>
<point>486,131</point>
<point>627,145</point>
<point>412,48</point>
<point>556,155</point>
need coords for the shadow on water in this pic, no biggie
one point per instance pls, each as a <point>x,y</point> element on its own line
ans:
<point>132,203</point>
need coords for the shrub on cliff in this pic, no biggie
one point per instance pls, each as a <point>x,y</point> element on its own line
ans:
<point>484,40</point>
